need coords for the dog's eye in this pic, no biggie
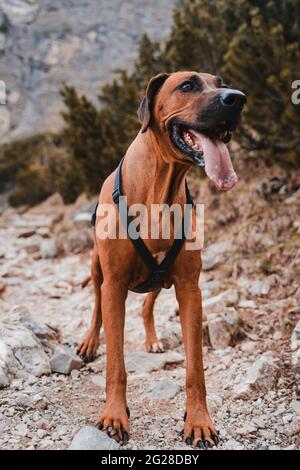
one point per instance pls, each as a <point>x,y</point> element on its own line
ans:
<point>188,86</point>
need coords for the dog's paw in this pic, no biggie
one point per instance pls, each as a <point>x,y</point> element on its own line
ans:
<point>200,433</point>
<point>87,349</point>
<point>114,421</point>
<point>156,347</point>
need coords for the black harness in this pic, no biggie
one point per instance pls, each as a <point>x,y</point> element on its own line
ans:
<point>157,270</point>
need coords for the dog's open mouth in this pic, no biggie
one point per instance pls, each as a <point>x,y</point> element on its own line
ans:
<point>207,149</point>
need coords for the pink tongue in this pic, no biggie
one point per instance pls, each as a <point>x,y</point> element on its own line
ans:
<point>218,166</point>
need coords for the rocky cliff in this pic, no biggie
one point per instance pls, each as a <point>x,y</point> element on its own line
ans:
<point>45,42</point>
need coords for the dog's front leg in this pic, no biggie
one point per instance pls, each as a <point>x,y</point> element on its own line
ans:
<point>198,429</point>
<point>114,419</point>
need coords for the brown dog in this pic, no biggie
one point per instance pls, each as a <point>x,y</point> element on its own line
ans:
<point>186,118</point>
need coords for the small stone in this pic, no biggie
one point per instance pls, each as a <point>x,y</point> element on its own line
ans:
<point>259,288</point>
<point>21,430</point>
<point>277,335</point>
<point>223,328</point>
<point>75,374</point>
<point>296,360</point>
<point>291,447</point>
<point>83,219</point>
<point>247,304</point>
<point>46,444</point>
<point>165,390</point>
<point>295,405</point>
<point>218,332</point>
<point>295,338</point>
<point>248,346</point>
<point>99,381</point>
<point>287,418</point>
<point>48,249</point>
<point>90,438</point>
<point>257,403</point>
<point>64,360</point>
<point>41,433</point>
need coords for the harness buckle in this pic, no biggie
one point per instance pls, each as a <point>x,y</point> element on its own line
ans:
<point>116,195</point>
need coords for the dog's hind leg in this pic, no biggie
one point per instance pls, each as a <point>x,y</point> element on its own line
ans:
<point>87,349</point>
<point>152,342</point>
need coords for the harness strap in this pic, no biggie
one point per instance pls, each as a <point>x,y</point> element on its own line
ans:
<point>157,271</point>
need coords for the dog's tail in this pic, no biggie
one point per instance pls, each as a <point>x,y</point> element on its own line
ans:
<point>85,282</point>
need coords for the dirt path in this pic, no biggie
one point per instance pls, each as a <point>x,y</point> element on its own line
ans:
<point>44,413</point>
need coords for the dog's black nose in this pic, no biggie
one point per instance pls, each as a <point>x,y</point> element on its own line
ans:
<point>233,98</point>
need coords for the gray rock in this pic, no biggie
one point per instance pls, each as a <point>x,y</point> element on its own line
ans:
<point>64,360</point>
<point>215,254</point>
<point>5,118</point>
<point>171,335</point>
<point>48,336</point>
<point>259,288</point>
<point>218,331</point>
<point>260,378</point>
<point>83,219</point>
<point>48,249</point>
<point>99,381</point>
<point>295,338</point>
<point>223,328</point>
<point>296,360</point>
<point>228,297</point>
<point>142,362</point>
<point>164,390</point>
<point>295,405</point>
<point>90,438</point>
<point>20,11</point>
<point>247,304</point>
<point>21,430</point>
<point>21,352</point>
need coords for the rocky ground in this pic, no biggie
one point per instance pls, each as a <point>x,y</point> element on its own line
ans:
<point>250,284</point>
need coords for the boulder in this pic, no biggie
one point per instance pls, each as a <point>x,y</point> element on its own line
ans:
<point>90,438</point>
<point>21,353</point>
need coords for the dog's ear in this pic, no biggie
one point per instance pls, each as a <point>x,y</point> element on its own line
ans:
<point>145,109</point>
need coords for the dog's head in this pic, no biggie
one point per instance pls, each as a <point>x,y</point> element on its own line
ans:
<point>197,113</point>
